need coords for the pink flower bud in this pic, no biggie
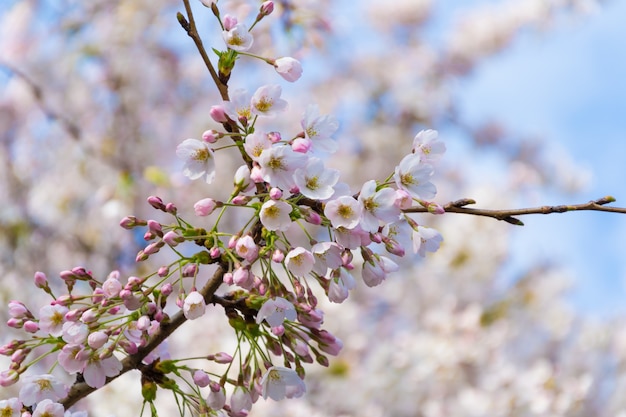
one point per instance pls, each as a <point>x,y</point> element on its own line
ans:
<point>156,202</point>
<point>97,339</point>
<point>301,145</point>
<point>210,136</point>
<point>240,200</point>
<point>256,175</point>
<point>221,357</point>
<point>130,222</point>
<point>278,330</point>
<point>17,309</point>
<point>228,278</point>
<point>204,207</point>
<point>166,289</point>
<point>31,326</point>
<point>218,113</point>
<point>288,68</point>
<point>278,256</point>
<point>276,193</point>
<point>89,316</point>
<point>171,208</point>
<point>201,378</point>
<point>229,22</point>
<point>267,7</point>
<point>190,270</point>
<point>15,323</point>
<point>40,280</point>
<point>163,271</point>
<point>274,137</point>
<point>172,238</point>
<point>215,252</point>
<point>313,218</point>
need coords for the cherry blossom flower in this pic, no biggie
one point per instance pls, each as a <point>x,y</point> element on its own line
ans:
<point>315,181</point>
<point>51,319</point>
<point>343,211</point>
<point>375,271</point>
<point>238,108</point>
<point>340,284</point>
<point>428,146</point>
<point>426,239</point>
<point>48,408</point>
<point>199,160</point>
<point>319,129</point>
<point>327,255</point>
<point>112,286</point>
<point>412,175</point>
<point>75,332</point>
<point>274,215</point>
<point>11,407</point>
<point>238,38</point>
<point>97,370</point>
<point>278,165</point>
<point>280,382</point>
<point>73,358</point>
<point>255,144</point>
<point>194,306</point>
<point>299,261</point>
<point>39,387</point>
<point>246,248</point>
<point>377,206</point>
<point>266,101</point>
<point>217,397</point>
<point>276,311</point>
<point>288,68</point>
<point>240,401</point>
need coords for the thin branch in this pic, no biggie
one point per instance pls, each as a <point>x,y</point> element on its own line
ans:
<point>189,25</point>
<point>37,92</point>
<point>509,216</point>
<point>80,389</point>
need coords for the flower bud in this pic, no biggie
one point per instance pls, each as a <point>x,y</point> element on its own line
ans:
<point>156,202</point>
<point>218,113</point>
<point>267,7</point>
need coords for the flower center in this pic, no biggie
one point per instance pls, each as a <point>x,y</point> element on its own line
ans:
<point>264,104</point>
<point>345,211</point>
<point>201,155</point>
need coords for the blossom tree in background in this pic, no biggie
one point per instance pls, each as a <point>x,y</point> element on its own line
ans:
<point>262,244</point>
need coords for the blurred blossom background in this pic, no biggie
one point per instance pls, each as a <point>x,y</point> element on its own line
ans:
<point>527,95</point>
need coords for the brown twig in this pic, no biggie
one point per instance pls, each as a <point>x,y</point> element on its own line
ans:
<point>189,25</point>
<point>80,389</point>
<point>509,216</point>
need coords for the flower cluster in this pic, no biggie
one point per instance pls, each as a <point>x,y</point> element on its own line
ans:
<point>303,230</point>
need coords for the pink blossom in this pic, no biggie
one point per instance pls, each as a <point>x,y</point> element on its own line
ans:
<point>428,147</point>
<point>51,319</point>
<point>274,215</point>
<point>280,382</point>
<point>238,38</point>
<point>299,261</point>
<point>247,249</point>
<point>11,407</point>
<point>75,332</point>
<point>378,205</point>
<point>276,311</point>
<point>315,181</point>
<point>198,158</point>
<point>319,129</point>
<point>278,165</point>
<point>97,370</point>
<point>73,358</point>
<point>413,176</point>
<point>37,388</point>
<point>343,211</point>
<point>48,408</point>
<point>266,101</point>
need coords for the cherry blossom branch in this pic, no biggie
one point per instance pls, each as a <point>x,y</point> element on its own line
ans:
<point>189,24</point>
<point>508,216</point>
<point>80,389</point>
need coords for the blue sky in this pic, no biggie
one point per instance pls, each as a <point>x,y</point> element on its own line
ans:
<point>567,86</point>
